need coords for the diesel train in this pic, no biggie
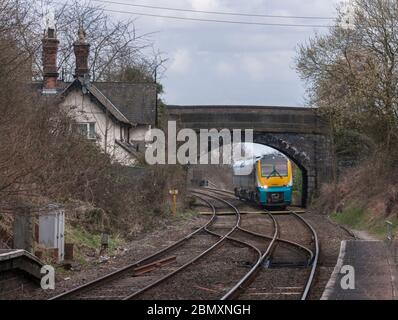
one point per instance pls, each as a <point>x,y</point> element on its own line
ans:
<point>270,182</point>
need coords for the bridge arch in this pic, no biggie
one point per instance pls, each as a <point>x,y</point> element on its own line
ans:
<point>299,133</point>
<point>300,158</point>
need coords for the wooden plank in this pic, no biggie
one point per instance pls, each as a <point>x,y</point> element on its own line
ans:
<point>249,212</point>
<point>287,212</point>
<point>229,213</point>
<point>289,288</point>
<point>153,266</point>
<point>207,289</point>
<point>274,294</point>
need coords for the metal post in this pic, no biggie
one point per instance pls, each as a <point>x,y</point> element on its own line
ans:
<point>157,99</point>
<point>104,243</point>
<point>174,194</point>
<point>23,229</point>
<point>389,231</point>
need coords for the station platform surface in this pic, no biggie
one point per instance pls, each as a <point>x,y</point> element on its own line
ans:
<point>20,259</point>
<point>375,272</point>
<point>19,273</point>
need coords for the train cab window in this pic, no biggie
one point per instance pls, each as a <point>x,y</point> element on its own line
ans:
<point>274,167</point>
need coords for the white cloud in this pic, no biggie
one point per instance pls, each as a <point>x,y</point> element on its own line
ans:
<point>254,67</point>
<point>255,63</point>
<point>204,4</point>
<point>225,69</point>
<point>181,62</point>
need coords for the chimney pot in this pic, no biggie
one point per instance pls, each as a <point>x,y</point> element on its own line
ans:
<point>82,51</point>
<point>50,69</point>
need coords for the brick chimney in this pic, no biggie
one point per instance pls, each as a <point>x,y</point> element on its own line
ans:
<point>50,70</point>
<point>82,51</point>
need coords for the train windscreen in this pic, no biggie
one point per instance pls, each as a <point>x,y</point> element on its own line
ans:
<point>274,166</point>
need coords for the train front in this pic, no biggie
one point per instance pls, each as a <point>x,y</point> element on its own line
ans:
<point>275,180</point>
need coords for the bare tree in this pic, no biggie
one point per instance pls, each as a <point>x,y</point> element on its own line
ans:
<point>352,74</point>
<point>36,140</point>
<point>42,160</point>
<point>114,43</point>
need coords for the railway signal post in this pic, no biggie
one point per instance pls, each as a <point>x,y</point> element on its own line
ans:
<point>174,194</point>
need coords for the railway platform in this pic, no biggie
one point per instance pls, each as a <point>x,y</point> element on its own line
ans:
<point>365,270</point>
<point>19,271</point>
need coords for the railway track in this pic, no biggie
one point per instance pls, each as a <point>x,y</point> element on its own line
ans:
<point>113,285</point>
<point>127,272</point>
<point>260,254</point>
<point>313,253</point>
<point>168,265</point>
<point>240,285</point>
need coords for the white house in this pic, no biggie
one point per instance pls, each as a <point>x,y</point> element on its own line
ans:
<point>113,114</point>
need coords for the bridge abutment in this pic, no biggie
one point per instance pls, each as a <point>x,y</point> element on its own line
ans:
<point>299,133</point>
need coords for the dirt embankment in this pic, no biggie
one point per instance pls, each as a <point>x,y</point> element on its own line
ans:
<point>365,198</point>
<point>141,204</point>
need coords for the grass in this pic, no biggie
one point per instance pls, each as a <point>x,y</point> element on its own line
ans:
<point>182,213</point>
<point>186,214</point>
<point>352,216</point>
<point>297,179</point>
<point>379,228</point>
<point>85,241</point>
<point>297,184</point>
<point>357,218</point>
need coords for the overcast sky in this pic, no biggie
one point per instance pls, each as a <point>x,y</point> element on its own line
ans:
<point>211,63</point>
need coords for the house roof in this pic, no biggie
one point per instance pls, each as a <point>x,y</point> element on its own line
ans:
<point>136,101</point>
<point>99,97</point>
<point>128,147</point>
<point>129,103</point>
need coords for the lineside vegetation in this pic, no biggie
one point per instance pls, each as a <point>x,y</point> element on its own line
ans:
<point>352,76</point>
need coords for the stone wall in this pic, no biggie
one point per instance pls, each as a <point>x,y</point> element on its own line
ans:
<point>312,153</point>
<point>299,133</point>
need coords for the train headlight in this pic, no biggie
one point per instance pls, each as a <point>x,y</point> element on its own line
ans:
<point>265,187</point>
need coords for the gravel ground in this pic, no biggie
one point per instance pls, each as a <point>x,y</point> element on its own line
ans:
<point>134,251</point>
<point>287,283</point>
<point>294,230</point>
<point>128,284</point>
<point>277,284</point>
<point>211,277</point>
<point>330,237</point>
<point>208,279</point>
<point>284,279</point>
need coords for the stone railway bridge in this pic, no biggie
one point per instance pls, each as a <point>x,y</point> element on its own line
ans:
<point>299,133</point>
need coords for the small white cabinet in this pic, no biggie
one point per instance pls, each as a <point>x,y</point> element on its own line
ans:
<point>52,230</point>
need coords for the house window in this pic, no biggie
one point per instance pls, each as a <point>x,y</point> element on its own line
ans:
<point>126,134</point>
<point>87,130</point>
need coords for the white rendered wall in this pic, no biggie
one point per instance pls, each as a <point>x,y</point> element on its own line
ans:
<point>82,109</point>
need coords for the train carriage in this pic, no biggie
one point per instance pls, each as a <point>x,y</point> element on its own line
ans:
<point>269,183</point>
